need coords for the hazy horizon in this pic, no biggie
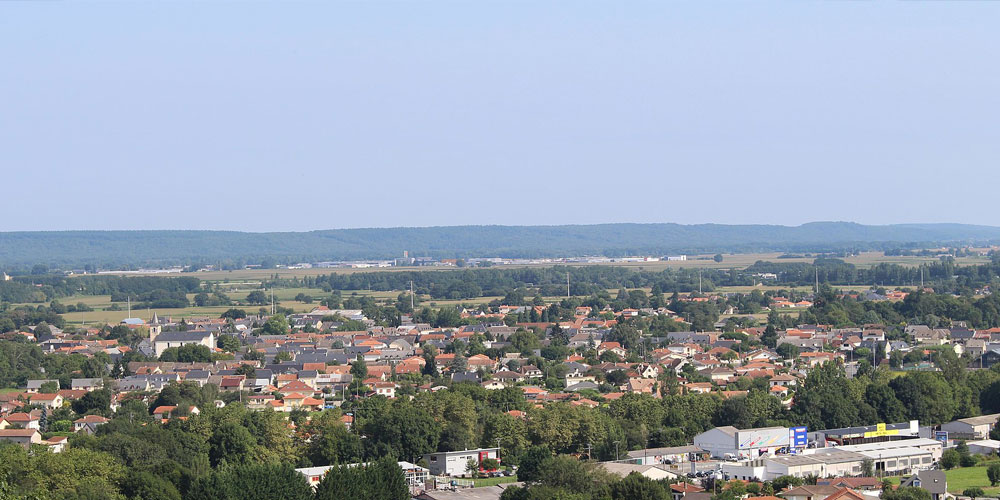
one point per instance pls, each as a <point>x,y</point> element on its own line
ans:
<point>321,229</point>
<point>307,116</point>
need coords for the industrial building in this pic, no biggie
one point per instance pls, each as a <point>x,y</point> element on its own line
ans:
<point>888,459</point>
<point>731,443</point>
<point>878,433</point>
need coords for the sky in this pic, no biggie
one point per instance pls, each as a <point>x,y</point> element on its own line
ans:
<point>278,116</point>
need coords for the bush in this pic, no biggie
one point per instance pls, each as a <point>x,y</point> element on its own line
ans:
<point>973,492</point>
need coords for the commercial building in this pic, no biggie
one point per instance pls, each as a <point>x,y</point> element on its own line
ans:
<point>878,433</point>
<point>732,443</point>
<point>454,463</point>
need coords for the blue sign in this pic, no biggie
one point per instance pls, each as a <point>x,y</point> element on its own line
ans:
<point>799,437</point>
<point>941,436</point>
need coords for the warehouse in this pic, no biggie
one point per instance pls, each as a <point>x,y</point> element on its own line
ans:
<point>731,443</point>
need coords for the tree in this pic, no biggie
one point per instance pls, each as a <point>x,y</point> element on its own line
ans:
<point>50,387</point>
<point>531,462</point>
<point>717,257</point>
<point>993,473</point>
<point>143,485</point>
<point>257,298</point>
<point>402,430</point>
<point>906,493</point>
<point>263,481</point>
<point>188,353</point>
<point>625,334</point>
<point>781,483</point>
<point>331,442</point>
<point>868,467</point>
<point>247,371</point>
<point>231,443</point>
<point>275,325</point>
<point>379,480</point>
<point>637,487</point>
<point>950,459</point>
<point>234,314</point>
<point>926,396</point>
<point>883,400</point>
<point>788,351</point>
<point>97,402</point>
<point>229,343</point>
<point>472,468</point>
<point>359,369</point>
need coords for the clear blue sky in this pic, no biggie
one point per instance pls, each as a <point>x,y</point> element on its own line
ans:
<point>274,116</point>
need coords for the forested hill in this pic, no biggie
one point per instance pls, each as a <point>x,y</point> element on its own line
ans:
<point>134,248</point>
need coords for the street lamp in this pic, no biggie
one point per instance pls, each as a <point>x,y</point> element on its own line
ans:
<point>616,450</point>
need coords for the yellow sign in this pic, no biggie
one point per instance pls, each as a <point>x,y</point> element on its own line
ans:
<point>880,431</point>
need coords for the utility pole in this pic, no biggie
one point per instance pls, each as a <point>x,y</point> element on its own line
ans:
<point>616,450</point>
<point>817,281</point>
<point>272,301</point>
<point>589,455</point>
<point>128,299</point>
<point>699,281</point>
<point>411,296</point>
<point>567,284</point>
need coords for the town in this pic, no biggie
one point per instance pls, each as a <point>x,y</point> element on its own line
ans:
<point>887,392</point>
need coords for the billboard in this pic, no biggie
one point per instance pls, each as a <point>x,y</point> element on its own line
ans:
<point>798,437</point>
<point>881,431</point>
<point>775,437</point>
<point>941,436</point>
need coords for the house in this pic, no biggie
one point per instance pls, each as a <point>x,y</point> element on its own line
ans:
<point>56,444</point>
<point>35,386</point>
<point>387,389</point>
<point>934,481</point>
<point>89,424</point>
<point>783,379</point>
<point>166,340</point>
<point>614,347</point>
<point>166,411</point>
<point>653,472</point>
<point>51,401</point>
<point>23,437</point>
<point>680,490</point>
<point>86,384</point>
<point>24,420</point>
<point>854,483</point>
<point>846,494</point>
<point>809,492</point>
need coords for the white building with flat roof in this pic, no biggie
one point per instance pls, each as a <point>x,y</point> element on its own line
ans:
<point>454,463</point>
<point>730,442</point>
